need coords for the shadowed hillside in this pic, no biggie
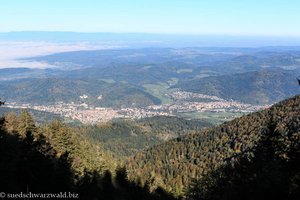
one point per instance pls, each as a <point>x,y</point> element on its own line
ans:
<point>54,159</point>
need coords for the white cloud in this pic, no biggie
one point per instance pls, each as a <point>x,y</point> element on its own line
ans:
<point>10,52</point>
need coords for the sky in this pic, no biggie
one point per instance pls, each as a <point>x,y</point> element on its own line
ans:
<point>200,17</point>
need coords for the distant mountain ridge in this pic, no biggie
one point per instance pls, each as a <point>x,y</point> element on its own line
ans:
<point>52,90</point>
<point>261,87</point>
<point>143,76</point>
<point>179,40</point>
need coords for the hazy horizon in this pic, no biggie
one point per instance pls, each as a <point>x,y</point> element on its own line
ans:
<point>220,17</point>
<point>149,33</point>
<point>33,28</point>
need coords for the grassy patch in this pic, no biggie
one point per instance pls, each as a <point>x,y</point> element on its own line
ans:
<point>297,59</point>
<point>159,90</point>
<point>147,67</point>
<point>108,80</point>
<point>206,73</point>
<point>211,117</point>
<point>180,71</point>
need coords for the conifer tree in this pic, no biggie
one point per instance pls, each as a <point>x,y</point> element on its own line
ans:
<point>26,124</point>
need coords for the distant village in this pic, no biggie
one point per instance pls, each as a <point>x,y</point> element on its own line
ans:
<point>183,102</point>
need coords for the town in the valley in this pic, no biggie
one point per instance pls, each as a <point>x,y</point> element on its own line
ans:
<point>183,102</point>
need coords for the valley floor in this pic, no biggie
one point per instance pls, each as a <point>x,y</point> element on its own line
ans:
<point>185,104</point>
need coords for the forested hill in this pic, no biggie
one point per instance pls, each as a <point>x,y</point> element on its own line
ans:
<point>55,158</point>
<point>127,137</point>
<point>257,87</point>
<point>269,139</point>
<point>52,90</point>
<point>253,157</point>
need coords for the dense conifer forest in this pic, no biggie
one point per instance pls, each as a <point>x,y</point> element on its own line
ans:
<point>267,142</point>
<point>55,158</point>
<point>127,137</point>
<point>252,157</point>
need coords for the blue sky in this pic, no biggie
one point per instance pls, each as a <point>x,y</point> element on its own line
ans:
<point>217,17</point>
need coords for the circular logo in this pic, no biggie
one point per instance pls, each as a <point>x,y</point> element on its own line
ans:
<point>2,194</point>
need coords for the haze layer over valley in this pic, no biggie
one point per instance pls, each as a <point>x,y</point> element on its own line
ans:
<point>97,79</point>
